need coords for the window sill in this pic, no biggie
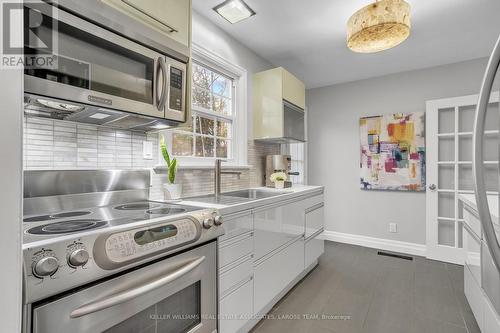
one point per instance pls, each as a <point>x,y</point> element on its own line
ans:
<point>162,168</point>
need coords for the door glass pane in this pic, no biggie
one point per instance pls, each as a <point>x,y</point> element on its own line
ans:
<point>490,148</point>
<point>465,177</point>
<point>178,313</point>
<point>89,62</point>
<point>490,177</point>
<point>446,233</point>
<point>446,149</point>
<point>446,205</point>
<point>492,121</point>
<point>446,177</point>
<point>465,148</point>
<point>466,118</point>
<point>460,234</point>
<point>446,120</point>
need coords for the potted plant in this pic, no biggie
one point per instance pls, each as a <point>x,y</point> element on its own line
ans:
<point>278,178</point>
<point>172,190</point>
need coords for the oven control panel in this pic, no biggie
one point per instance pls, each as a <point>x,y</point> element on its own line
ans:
<point>132,244</point>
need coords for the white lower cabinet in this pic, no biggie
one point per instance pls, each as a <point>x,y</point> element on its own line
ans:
<point>272,275</point>
<point>262,252</point>
<point>236,308</point>
<point>313,249</point>
<point>475,296</point>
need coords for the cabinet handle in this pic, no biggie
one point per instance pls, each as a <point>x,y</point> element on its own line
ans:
<point>142,11</point>
<point>160,104</point>
<point>477,160</point>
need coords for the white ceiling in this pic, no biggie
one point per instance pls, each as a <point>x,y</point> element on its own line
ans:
<point>308,36</point>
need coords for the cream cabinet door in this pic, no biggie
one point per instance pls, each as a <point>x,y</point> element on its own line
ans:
<point>170,17</point>
<point>294,91</point>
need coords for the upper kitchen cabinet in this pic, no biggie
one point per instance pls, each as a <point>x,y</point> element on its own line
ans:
<point>279,103</point>
<point>169,17</point>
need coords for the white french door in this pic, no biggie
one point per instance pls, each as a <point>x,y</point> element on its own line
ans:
<point>449,124</point>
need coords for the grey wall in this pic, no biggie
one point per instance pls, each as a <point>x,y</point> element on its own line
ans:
<point>333,147</point>
<point>211,37</point>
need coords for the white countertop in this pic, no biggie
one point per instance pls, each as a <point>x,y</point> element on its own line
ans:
<point>294,192</point>
<point>470,200</point>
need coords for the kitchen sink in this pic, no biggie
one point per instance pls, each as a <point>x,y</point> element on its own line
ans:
<point>236,197</point>
<point>254,194</point>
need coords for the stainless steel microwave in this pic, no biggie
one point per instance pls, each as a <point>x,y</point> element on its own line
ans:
<point>104,69</point>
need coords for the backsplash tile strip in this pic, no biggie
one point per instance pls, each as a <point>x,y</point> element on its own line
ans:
<point>54,144</point>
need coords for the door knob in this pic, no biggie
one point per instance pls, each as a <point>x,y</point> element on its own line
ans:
<point>432,187</point>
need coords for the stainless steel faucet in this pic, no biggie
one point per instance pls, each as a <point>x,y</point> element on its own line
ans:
<point>217,174</point>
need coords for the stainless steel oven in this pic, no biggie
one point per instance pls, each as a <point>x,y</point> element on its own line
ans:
<point>96,66</point>
<point>174,295</point>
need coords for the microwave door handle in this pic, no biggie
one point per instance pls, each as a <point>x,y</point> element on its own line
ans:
<point>477,163</point>
<point>162,67</point>
<point>143,12</point>
<point>130,294</point>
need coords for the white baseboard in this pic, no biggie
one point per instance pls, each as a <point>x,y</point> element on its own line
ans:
<point>377,243</point>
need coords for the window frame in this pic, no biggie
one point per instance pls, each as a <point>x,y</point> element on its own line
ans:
<point>239,139</point>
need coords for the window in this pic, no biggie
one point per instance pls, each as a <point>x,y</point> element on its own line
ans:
<point>211,132</point>
<point>297,154</point>
<point>218,128</point>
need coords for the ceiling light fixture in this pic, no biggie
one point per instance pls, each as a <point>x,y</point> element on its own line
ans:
<point>234,11</point>
<point>379,26</point>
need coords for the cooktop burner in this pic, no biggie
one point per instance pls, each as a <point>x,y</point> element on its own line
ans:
<point>69,226</point>
<point>165,211</point>
<point>137,206</point>
<point>41,218</point>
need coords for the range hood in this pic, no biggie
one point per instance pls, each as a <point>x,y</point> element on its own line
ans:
<point>46,107</point>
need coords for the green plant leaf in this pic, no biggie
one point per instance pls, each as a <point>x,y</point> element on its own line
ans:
<point>164,151</point>
<point>172,171</point>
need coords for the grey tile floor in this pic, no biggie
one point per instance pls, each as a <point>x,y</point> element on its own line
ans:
<point>374,294</point>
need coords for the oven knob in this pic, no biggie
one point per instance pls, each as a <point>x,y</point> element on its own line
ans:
<point>45,267</point>
<point>78,258</point>
<point>218,220</point>
<point>208,223</point>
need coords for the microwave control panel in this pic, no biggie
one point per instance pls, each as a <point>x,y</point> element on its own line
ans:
<point>176,89</point>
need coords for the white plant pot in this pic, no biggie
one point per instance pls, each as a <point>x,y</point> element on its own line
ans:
<point>172,191</point>
<point>279,184</point>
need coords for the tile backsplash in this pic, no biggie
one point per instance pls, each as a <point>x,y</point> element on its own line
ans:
<point>54,144</point>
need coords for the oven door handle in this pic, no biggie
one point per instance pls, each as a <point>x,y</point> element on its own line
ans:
<point>130,294</point>
<point>162,67</point>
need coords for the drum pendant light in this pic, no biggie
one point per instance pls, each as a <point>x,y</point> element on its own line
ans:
<point>379,26</point>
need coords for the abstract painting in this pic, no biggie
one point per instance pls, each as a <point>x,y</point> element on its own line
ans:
<point>393,152</point>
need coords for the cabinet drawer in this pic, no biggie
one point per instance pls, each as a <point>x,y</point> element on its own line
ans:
<point>270,281</point>
<point>472,246</point>
<point>236,308</point>
<point>235,248</point>
<point>491,319</point>
<point>314,248</point>
<point>277,226</point>
<point>236,225</point>
<point>231,277</point>
<point>315,219</point>
<point>490,277</point>
<point>473,222</point>
<point>474,296</point>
